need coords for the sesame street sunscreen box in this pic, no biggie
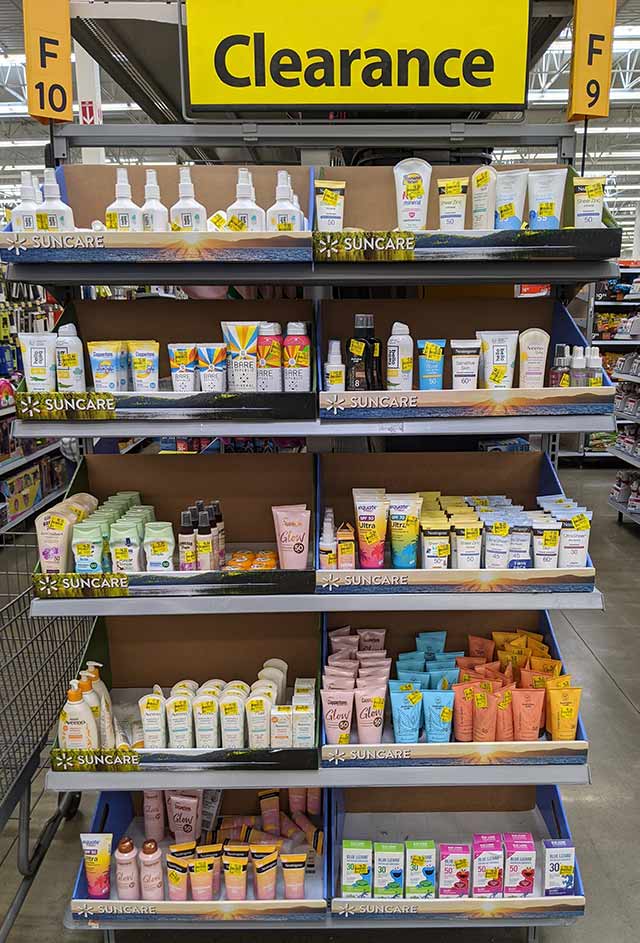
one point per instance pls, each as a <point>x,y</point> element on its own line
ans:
<point>519,868</point>
<point>388,870</point>
<point>559,867</point>
<point>488,867</point>
<point>455,869</point>
<point>420,869</point>
<point>357,868</point>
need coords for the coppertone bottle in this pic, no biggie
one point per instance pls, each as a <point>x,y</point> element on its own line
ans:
<point>127,874</point>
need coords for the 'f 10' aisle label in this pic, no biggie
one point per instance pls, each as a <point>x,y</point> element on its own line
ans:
<point>291,54</point>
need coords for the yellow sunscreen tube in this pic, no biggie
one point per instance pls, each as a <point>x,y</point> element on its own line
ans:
<point>235,876</point>
<point>293,870</point>
<point>177,877</point>
<point>564,704</point>
<point>184,850</point>
<point>553,665</point>
<point>315,836</point>
<point>560,681</point>
<point>213,853</point>
<point>143,356</point>
<point>266,873</point>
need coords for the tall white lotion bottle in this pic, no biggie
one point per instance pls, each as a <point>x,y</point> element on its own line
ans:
<point>123,215</point>
<point>155,215</point>
<point>244,214</point>
<point>187,215</point>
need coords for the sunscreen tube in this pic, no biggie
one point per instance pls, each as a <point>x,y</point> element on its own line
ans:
<point>483,194</point>
<point>371,523</point>
<point>232,721</point>
<point>241,339</point>
<point>144,365</point>
<point>498,359</point>
<point>465,358</point>
<point>546,196</point>
<point>180,722</point>
<point>205,719</point>
<point>96,850</point>
<point>258,710</point>
<point>452,195</point>
<point>104,357</point>
<point>534,344</point>
<point>293,871</point>
<point>212,367</point>
<point>177,877</point>
<point>329,196</point>
<point>404,524</point>
<point>588,195</point>
<point>413,179</point>
<point>511,187</point>
<point>183,359</point>
<point>152,714</point>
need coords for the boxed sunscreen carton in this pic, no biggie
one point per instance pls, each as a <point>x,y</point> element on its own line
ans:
<point>559,867</point>
<point>357,868</point>
<point>304,732</point>
<point>455,870</point>
<point>488,866</point>
<point>420,869</point>
<point>519,868</point>
<point>388,870</point>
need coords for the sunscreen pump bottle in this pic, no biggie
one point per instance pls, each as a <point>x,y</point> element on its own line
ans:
<point>594,367</point>
<point>578,367</point>
<point>334,369</point>
<point>23,216</point>
<point>69,360</point>
<point>77,728</point>
<point>187,215</point>
<point>37,192</point>
<point>283,216</point>
<point>244,214</point>
<point>155,215</point>
<point>123,214</point>
<point>53,215</point>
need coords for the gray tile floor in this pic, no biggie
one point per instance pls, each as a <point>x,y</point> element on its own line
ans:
<point>602,650</point>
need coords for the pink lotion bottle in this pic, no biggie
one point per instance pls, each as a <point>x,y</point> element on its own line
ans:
<point>151,878</point>
<point>153,808</point>
<point>127,875</point>
<point>297,359</point>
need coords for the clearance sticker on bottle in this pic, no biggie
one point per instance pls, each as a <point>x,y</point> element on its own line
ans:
<point>461,863</point>
<point>507,210</point>
<point>152,704</point>
<point>360,868</point>
<point>432,352</point>
<point>122,553</point>
<point>111,220</point>
<point>377,703</point>
<point>538,682</point>
<point>468,694</point>
<point>550,538</point>
<point>406,364</point>
<point>565,380</point>
<point>506,700</point>
<point>343,739</point>
<point>566,711</point>
<point>498,373</point>
<point>486,686</point>
<point>218,221</point>
<point>471,533</point>
<point>413,187</point>
<point>209,707</point>
<point>159,547</point>
<point>83,550</point>
<point>356,347</point>
<point>68,360</point>
<point>230,710</point>
<point>500,529</point>
<point>406,687</point>
<point>580,522</point>
<point>180,707</point>
<point>415,697</point>
<point>236,225</point>
<point>482,179</point>
<point>443,550</point>
<point>201,866</point>
<point>446,714</point>
<point>595,381</point>
<point>491,874</point>
<point>285,227</point>
<point>190,556</point>
<point>480,699</point>
<point>566,870</point>
<point>56,522</point>
<point>335,377</point>
<point>546,209</point>
<point>594,190</point>
<point>173,876</point>
<point>451,187</point>
<point>418,861</point>
<point>330,197</point>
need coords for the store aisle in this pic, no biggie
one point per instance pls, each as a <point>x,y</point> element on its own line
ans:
<point>601,648</point>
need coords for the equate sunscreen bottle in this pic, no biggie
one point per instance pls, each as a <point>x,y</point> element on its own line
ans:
<point>77,729</point>
<point>283,216</point>
<point>155,215</point>
<point>53,215</point>
<point>187,215</point>
<point>244,215</point>
<point>123,215</point>
<point>69,360</point>
<point>23,216</point>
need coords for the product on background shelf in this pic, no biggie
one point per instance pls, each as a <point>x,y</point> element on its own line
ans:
<point>123,215</point>
<point>534,345</point>
<point>296,359</point>
<point>283,216</point>
<point>291,524</point>
<point>69,360</point>
<point>412,180</point>
<point>506,688</point>
<point>465,360</point>
<point>559,867</point>
<point>201,855</point>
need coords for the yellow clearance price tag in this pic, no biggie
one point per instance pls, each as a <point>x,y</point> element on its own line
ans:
<point>418,861</point>
<point>159,546</point>
<point>377,703</point>
<point>330,197</point>
<point>507,210</point>
<point>173,876</point>
<point>505,701</point>
<point>595,381</point>
<point>406,687</point>
<point>444,550</point>
<point>468,694</point>
<point>152,704</point>
<point>218,220</point>
<point>343,739</point>
<point>122,553</point>
<point>111,220</point>
<point>56,522</point>
<point>414,190</point>
<point>360,868</point>
<point>209,707</point>
<point>190,556</point>
<point>415,697</point>
<point>432,352</point>
<point>406,364</point>
<point>42,221</point>
<point>566,711</point>
<point>550,538</point>
<point>565,381</point>
<point>481,699</point>
<point>500,529</point>
<point>482,179</point>
<point>471,533</point>
<point>566,870</point>
<point>452,187</point>
<point>446,714</point>
<point>486,686</point>
<point>461,863</point>
<point>498,373</point>
<point>285,227</point>
<point>230,710</point>
<point>69,360</point>
<point>83,550</point>
<point>594,190</point>
<point>491,874</point>
<point>356,347</point>
<point>200,867</point>
<point>180,707</point>
<point>236,225</point>
<point>580,522</point>
<point>546,209</point>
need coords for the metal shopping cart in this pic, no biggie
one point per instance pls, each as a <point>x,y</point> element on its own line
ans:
<point>37,658</point>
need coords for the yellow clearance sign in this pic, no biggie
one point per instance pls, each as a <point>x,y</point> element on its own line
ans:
<point>368,53</point>
<point>593,23</point>
<point>47,43</point>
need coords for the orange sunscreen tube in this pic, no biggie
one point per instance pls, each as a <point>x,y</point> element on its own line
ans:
<point>266,872</point>
<point>527,711</point>
<point>290,830</point>
<point>201,878</point>
<point>293,868</point>
<point>535,679</point>
<point>562,681</point>
<point>177,873</point>
<point>504,715</point>
<point>315,836</point>
<point>297,799</point>
<point>235,876</point>
<point>485,710</point>
<point>564,704</point>
<point>481,647</point>
<point>463,710</point>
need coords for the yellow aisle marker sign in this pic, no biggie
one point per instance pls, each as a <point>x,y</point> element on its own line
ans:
<point>47,43</point>
<point>366,54</point>
<point>593,23</point>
